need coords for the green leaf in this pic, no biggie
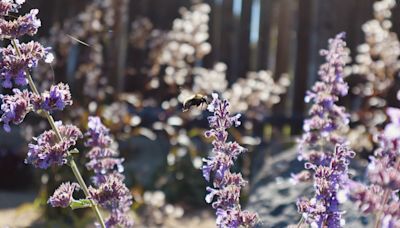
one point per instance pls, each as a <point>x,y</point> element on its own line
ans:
<point>82,203</point>
<point>74,151</point>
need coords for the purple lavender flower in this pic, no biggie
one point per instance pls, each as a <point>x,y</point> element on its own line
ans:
<point>57,98</point>
<point>104,164</point>
<point>235,218</point>
<point>322,145</point>
<point>7,6</point>
<point>384,172</point>
<point>98,134</point>
<point>380,197</point>
<point>99,152</point>
<point>226,185</point>
<point>23,25</point>
<point>114,196</point>
<point>99,178</point>
<point>15,107</point>
<point>119,218</point>
<point>62,196</point>
<point>51,147</point>
<point>391,131</point>
<point>110,191</point>
<point>303,176</point>
<point>102,156</point>
<point>13,65</point>
<point>391,214</point>
<point>368,198</point>
<point>49,151</point>
<point>323,209</point>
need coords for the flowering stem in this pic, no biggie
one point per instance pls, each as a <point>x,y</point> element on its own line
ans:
<point>300,222</point>
<point>85,189</point>
<point>71,161</point>
<point>378,215</point>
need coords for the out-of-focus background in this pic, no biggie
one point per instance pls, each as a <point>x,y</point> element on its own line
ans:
<point>134,62</point>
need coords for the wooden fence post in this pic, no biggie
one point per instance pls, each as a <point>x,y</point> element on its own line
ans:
<point>244,38</point>
<point>285,28</point>
<point>302,56</point>
<point>227,35</point>
<point>265,26</point>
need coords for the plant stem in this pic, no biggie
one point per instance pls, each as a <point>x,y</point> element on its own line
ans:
<point>300,223</point>
<point>71,161</point>
<point>379,214</point>
<point>85,189</point>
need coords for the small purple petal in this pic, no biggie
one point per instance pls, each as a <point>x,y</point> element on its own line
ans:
<point>62,196</point>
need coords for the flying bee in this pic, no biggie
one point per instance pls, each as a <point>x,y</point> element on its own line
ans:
<point>195,100</point>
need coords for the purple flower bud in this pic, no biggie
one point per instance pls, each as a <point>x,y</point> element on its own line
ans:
<point>206,169</point>
<point>225,197</point>
<point>57,98</point>
<point>98,134</point>
<point>309,165</point>
<point>219,163</point>
<point>49,151</point>
<point>15,107</point>
<point>303,176</point>
<point>62,196</point>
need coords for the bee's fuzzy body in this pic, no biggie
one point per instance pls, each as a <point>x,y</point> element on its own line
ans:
<point>195,100</point>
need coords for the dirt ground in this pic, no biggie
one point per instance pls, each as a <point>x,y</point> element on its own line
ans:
<point>17,210</point>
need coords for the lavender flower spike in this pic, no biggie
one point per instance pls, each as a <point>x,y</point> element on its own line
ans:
<point>226,185</point>
<point>380,197</point>
<point>109,190</point>
<point>327,118</point>
<point>322,146</point>
<point>102,156</point>
<point>62,196</point>
<point>52,147</point>
<point>323,209</point>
